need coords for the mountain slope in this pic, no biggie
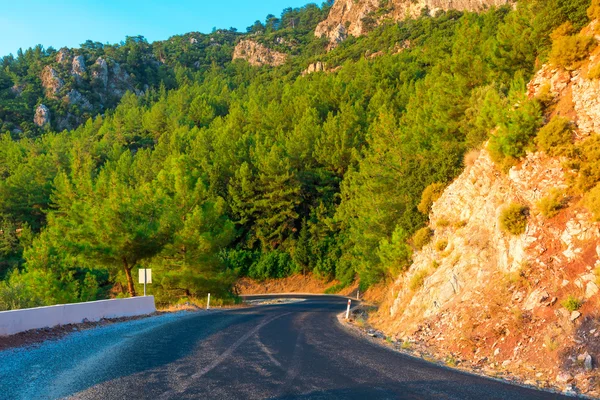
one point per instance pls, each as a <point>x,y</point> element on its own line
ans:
<point>524,304</point>
<point>351,17</point>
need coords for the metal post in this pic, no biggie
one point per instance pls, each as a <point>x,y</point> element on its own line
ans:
<point>208,302</point>
<point>348,309</point>
<point>145,280</point>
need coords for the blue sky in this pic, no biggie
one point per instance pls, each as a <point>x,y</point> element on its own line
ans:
<point>58,23</point>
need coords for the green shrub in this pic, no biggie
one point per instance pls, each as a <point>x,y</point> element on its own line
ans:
<point>569,51</point>
<point>513,219</point>
<point>545,95</point>
<point>514,135</point>
<point>422,238</point>
<point>594,11</point>
<point>571,303</point>
<point>551,205</point>
<point>417,280</point>
<point>556,137</point>
<point>441,245</point>
<point>592,202</point>
<point>429,196</point>
<point>588,163</point>
<point>275,264</point>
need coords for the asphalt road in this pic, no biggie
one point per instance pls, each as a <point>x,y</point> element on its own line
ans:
<point>287,351</point>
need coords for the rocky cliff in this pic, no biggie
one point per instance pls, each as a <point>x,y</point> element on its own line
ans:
<point>480,296</point>
<point>355,17</point>
<point>258,54</point>
<point>63,81</point>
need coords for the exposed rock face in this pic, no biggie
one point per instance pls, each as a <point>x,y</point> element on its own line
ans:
<point>63,55</point>
<point>257,54</point>
<point>101,71</point>
<point>318,66</point>
<point>51,81</point>
<point>74,97</point>
<point>42,115</point>
<point>78,66</point>
<point>493,299</point>
<point>478,250</point>
<point>574,89</point>
<point>490,297</point>
<point>119,81</point>
<point>68,121</point>
<point>348,17</point>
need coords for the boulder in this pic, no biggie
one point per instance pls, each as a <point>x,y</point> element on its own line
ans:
<point>535,299</point>
<point>564,377</point>
<point>588,362</point>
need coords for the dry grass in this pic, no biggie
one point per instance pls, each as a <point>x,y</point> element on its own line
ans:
<point>441,245</point>
<point>442,223</point>
<point>471,157</point>
<point>418,279</point>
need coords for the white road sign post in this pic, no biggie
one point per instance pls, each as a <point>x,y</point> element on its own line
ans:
<point>208,302</point>
<point>145,277</point>
<point>348,309</point>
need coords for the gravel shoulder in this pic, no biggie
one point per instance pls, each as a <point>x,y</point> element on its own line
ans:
<point>365,332</point>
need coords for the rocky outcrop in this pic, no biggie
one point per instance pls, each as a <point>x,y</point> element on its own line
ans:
<point>466,218</point>
<point>74,97</point>
<point>100,71</point>
<point>573,90</point>
<point>63,56</point>
<point>353,17</point>
<point>42,115</point>
<point>258,54</point>
<point>120,82</point>
<point>51,81</point>
<point>318,66</point>
<point>78,66</point>
<point>494,301</point>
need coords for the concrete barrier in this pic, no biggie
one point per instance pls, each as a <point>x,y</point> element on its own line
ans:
<point>16,321</point>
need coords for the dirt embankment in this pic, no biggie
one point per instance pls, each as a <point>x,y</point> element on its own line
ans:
<point>308,284</point>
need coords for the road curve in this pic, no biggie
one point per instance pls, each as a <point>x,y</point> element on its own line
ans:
<point>286,351</point>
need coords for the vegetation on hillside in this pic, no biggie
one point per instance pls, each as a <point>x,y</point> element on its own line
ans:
<point>220,170</point>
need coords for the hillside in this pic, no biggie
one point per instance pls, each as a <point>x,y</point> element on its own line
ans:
<point>524,302</point>
<point>449,156</point>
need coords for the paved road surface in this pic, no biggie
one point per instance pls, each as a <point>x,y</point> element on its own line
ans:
<point>288,351</point>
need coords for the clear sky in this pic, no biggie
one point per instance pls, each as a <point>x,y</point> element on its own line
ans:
<point>59,23</point>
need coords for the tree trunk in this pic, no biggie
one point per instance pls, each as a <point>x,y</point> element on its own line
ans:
<point>130,286</point>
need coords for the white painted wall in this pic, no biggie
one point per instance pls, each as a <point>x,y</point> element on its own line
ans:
<point>16,321</point>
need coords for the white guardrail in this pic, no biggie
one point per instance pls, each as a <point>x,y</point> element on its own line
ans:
<point>16,321</point>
